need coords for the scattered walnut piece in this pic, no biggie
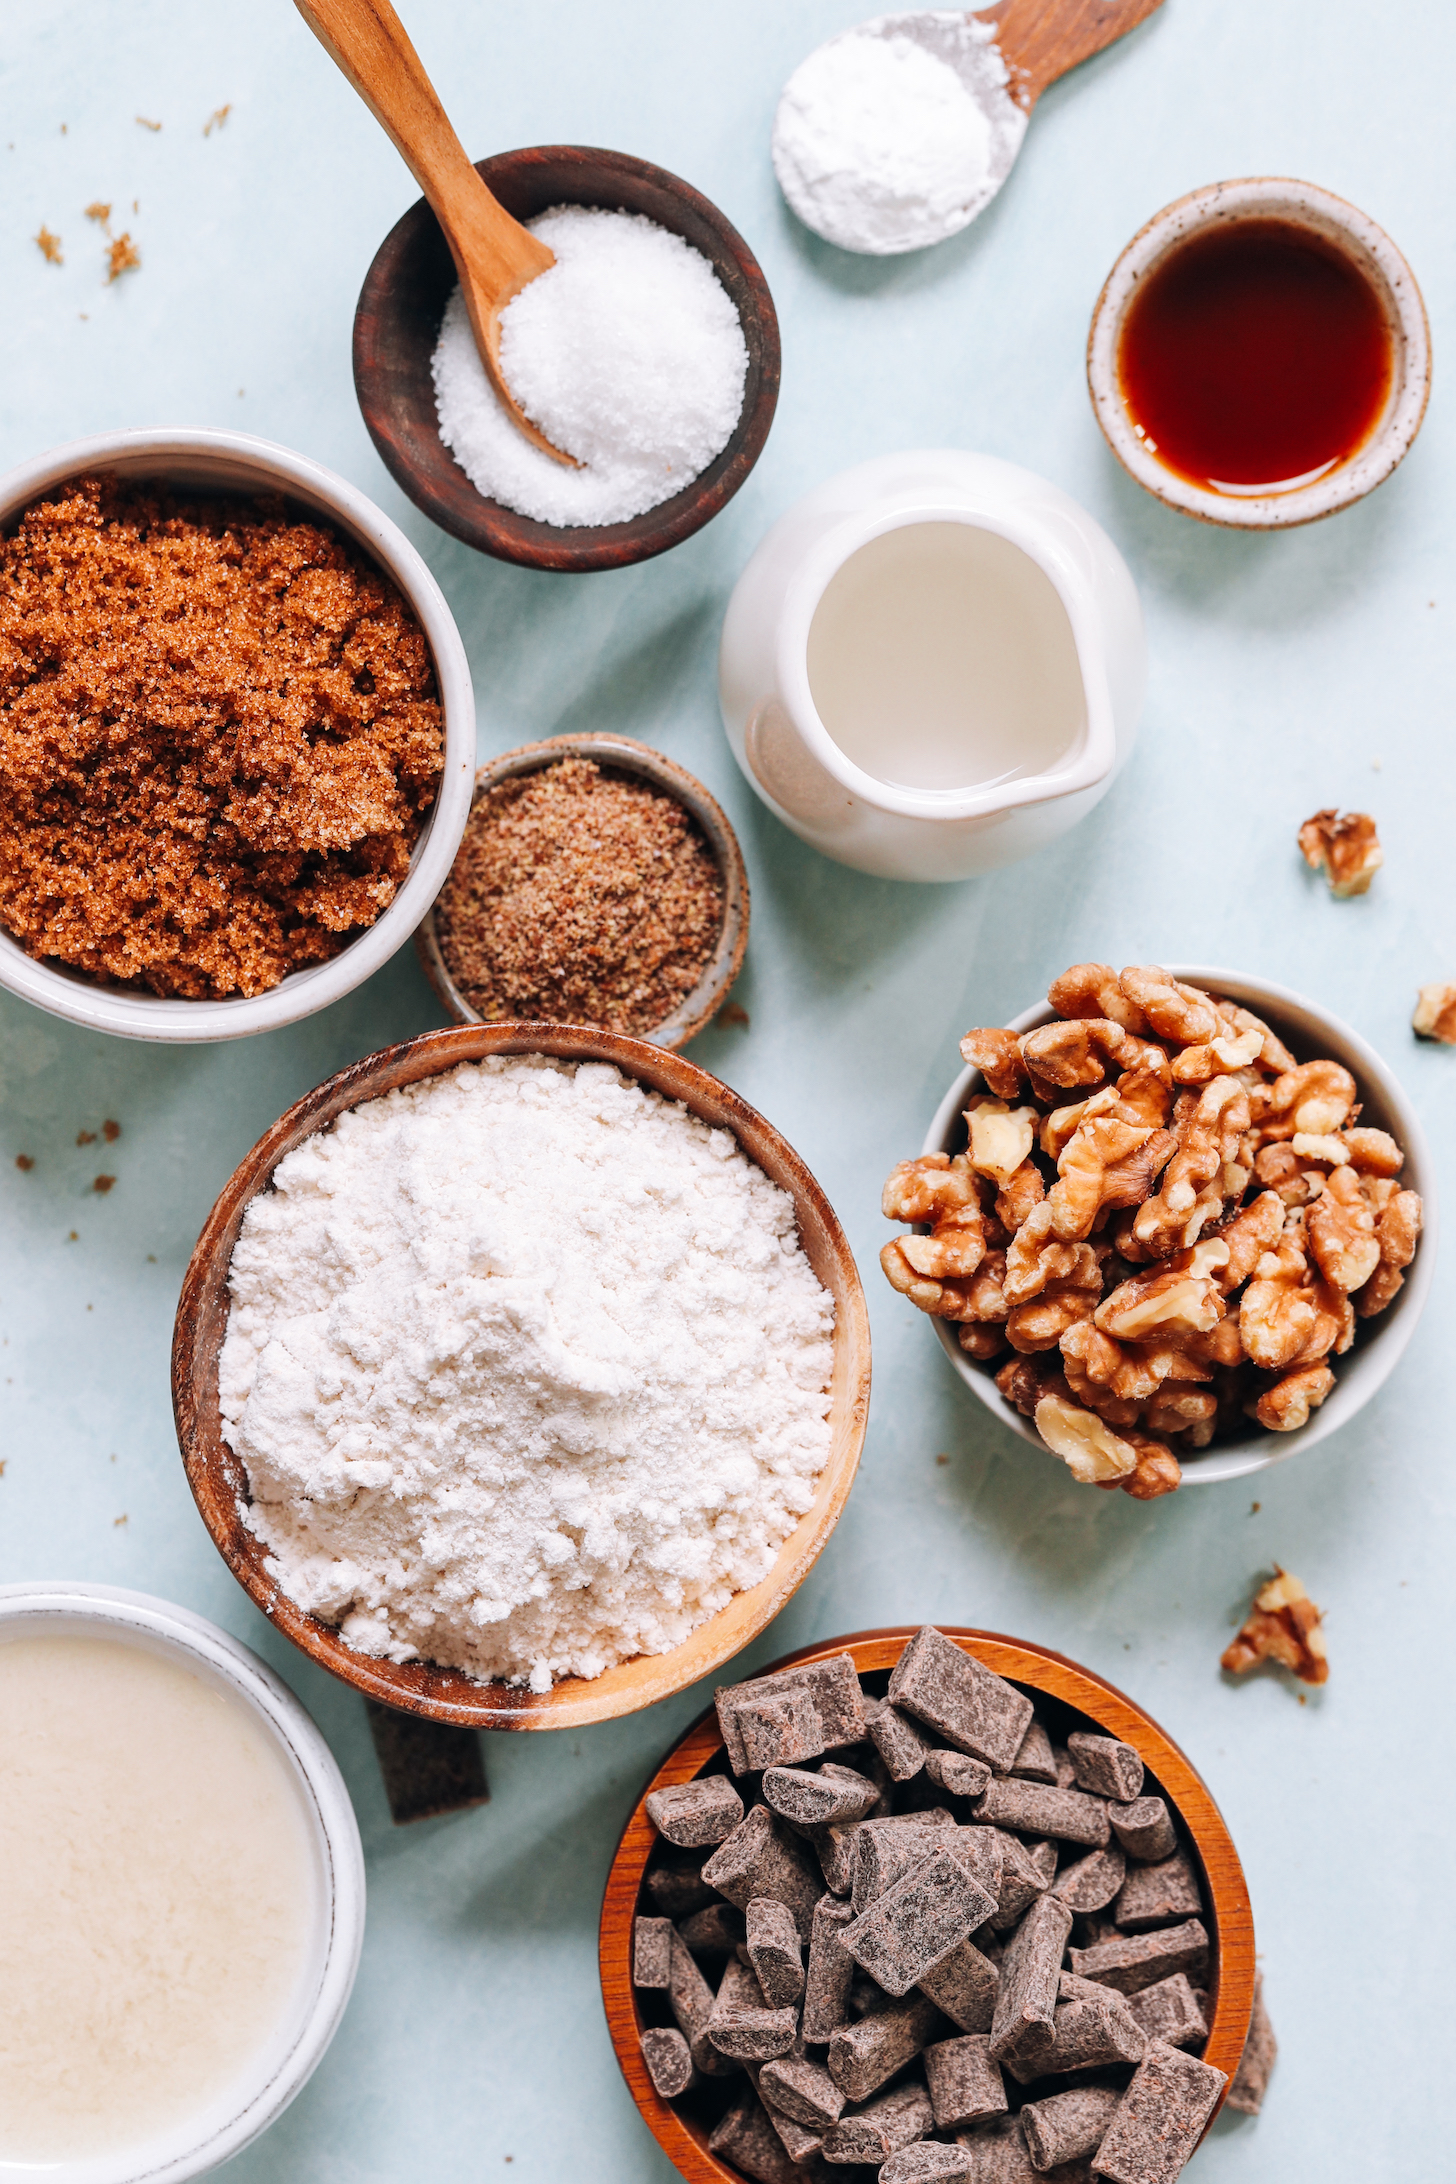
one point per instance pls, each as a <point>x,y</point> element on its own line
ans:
<point>1435,1016</point>
<point>1347,850</point>
<point>122,256</point>
<point>1283,1625</point>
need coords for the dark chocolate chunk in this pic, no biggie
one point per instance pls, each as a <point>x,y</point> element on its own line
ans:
<point>693,1814</point>
<point>798,2141</point>
<point>690,1999</point>
<point>834,1847</point>
<point>1106,1767</point>
<point>1066,2126</point>
<point>1021,1883</point>
<point>803,2089</point>
<point>833,1795</point>
<point>886,1849</point>
<point>956,1773</point>
<point>864,2055</point>
<point>1157,1895</point>
<point>965,2084</point>
<point>902,1746</point>
<point>652,1953</point>
<point>882,2127</point>
<point>1144,1829</point>
<point>741,2025</point>
<point>1160,2118</point>
<point>429,1767</point>
<point>830,1971</point>
<point>783,1720</point>
<point>1033,1809</point>
<point>1251,2079</point>
<point>998,2155</point>
<point>1028,1990</point>
<point>1036,1761</point>
<point>763,1858</point>
<point>774,1951</point>
<point>748,2142</point>
<point>1141,1960</point>
<point>972,1709</point>
<point>963,1985</point>
<point>927,2161</point>
<point>677,1888</point>
<point>669,2061</point>
<point>715,1931</point>
<point>911,1924</point>
<point>1093,1881</point>
<point>1170,2011</point>
<point>1083,2036</point>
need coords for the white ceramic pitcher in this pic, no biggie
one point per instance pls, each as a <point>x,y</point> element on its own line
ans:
<point>938,832</point>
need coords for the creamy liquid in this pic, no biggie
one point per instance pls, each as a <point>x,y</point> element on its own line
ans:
<point>157,1894</point>
<point>941,657</point>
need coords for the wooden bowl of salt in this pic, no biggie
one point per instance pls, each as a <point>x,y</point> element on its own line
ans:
<point>219,1479</point>
<point>397,324</point>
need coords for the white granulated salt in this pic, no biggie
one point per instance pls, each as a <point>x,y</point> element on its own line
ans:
<point>897,133</point>
<point>528,1371</point>
<point>629,355</point>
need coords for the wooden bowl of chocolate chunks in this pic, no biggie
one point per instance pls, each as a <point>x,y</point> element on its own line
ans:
<point>934,1906</point>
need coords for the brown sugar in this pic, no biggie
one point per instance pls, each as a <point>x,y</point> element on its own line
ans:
<point>584,896</point>
<point>218,737</point>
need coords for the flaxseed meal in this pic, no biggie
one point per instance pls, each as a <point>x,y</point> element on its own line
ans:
<point>219,735</point>
<point>581,896</point>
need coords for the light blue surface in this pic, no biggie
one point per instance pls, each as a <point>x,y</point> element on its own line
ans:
<point>1284,670</point>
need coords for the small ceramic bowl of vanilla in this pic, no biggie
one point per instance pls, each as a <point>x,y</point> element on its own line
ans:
<point>182,1891</point>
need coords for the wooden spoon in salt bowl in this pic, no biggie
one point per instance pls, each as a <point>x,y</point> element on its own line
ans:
<point>494,255</point>
<point>1004,56</point>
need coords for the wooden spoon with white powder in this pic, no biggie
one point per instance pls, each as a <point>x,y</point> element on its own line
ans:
<point>899,132</point>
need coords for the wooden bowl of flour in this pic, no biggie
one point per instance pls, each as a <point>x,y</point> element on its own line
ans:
<point>219,1481</point>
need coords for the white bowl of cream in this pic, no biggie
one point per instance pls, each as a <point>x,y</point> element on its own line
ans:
<point>181,1890</point>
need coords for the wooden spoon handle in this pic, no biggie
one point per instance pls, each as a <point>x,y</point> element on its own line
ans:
<point>1041,39</point>
<point>369,43</point>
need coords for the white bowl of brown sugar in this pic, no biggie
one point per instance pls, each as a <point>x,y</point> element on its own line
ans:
<point>237,735</point>
<point>598,883</point>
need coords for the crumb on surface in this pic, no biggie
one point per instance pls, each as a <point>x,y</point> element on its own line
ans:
<point>581,895</point>
<point>24,1163</point>
<point>143,123</point>
<point>111,1131</point>
<point>86,1137</point>
<point>219,735</point>
<point>73,1238</point>
<point>734,1013</point>
<point>99,212</point>
<point>49,246</point>
<point>122,256</point>
<point>216,119</point>
<point>103,1184</point>
<point>942,1459</point>
<point>122,1519</point>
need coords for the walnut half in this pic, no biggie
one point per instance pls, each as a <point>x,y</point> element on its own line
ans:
<point>1283,1625</point>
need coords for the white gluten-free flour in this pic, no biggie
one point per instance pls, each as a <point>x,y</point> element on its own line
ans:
<point>528,1371</point>
<point>895,134</point>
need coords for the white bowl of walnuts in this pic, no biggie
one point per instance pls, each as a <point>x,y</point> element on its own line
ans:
<point>1169,1224</point>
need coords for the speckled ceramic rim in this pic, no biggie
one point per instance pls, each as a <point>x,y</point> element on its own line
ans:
<point>1374,255</point>
<point>626,755</point>
<point>235,462</point>
<point>1307,1030</point>
<point>230,2124</point>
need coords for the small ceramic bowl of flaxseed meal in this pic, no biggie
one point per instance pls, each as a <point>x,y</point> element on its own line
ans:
<point>596,883</point>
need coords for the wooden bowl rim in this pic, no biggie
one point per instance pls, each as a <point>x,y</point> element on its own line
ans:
<point>219,1482</point>
<point>624,754</point>
<point>488,525</point>
<point>1228,1913</point>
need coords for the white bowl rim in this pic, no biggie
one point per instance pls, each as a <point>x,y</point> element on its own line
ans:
<point>1358,1377</point>
<point>1363,240</point>
<point>242,462</point>
<point>294,1731</point>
